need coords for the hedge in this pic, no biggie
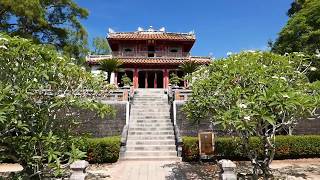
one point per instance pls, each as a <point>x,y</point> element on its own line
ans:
<point>103,150</point>
<point>287,147</point>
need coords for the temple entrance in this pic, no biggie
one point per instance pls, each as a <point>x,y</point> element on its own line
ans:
<point>150,79</point>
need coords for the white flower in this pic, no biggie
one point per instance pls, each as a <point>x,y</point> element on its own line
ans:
<point>243,106</point>
<point>285,96</point>
<point>250,51</point>
<point>313,69</point>
<point>61,96</point>
<point>229,53</point>
<point>264,66</point>
<point>283,78</point>
<point>286,54</point>
<point>3,47</point>
<point>318,55</point>
<point>247,118</point>
<point>35,80</point>
<point>3,39</point>
<point>83,68</point>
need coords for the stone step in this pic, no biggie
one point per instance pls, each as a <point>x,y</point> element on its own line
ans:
<point>160,99</point>
<point>150,121</point>
<point>151,148</point>
<point>150,128</point>
<point>151,133</point>
<point>150,153</point>
<point>150,117</point>
<point>150,107</point>
<point>150,125</point>
<point>151,137</point>
<point>151,142</point>
<point>152,158</point>
<point>150,97</point>
<point>151,110</point>
<point>150,104</point>
<point>148,113</point>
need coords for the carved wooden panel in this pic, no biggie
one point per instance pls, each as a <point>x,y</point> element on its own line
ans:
<point>206,143</point>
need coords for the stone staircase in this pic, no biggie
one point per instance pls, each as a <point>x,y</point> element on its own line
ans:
<point>150,134</point>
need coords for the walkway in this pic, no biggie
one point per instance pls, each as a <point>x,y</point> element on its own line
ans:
<point>141,170</point>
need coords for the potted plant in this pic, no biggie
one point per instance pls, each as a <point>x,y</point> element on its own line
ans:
<point>126,81</point>
<point>174,80</point>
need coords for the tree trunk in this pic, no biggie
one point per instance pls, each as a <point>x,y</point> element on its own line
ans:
<point>109,77</point>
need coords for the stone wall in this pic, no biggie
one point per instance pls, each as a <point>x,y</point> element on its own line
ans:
<point>308,126</point>
<point>186,127</point>
<point>305,127</point>
<point>92,124</point>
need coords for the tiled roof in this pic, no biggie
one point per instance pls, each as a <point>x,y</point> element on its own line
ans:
<point>155,60</point>
<point>151,36</point>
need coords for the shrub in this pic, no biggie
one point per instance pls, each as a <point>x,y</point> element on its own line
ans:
<point>103,150</point>
<point>287,147</point>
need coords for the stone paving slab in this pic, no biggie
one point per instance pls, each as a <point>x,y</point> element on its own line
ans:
<point>141,170</point>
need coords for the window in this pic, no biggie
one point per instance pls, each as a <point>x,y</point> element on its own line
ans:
<point>173,50</point>
<point>127,49</point>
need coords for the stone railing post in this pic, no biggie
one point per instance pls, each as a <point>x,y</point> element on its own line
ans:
<point>78,170</point>
<point>227,170</point>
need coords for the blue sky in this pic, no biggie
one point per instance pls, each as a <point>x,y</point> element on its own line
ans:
<point>221,26</point>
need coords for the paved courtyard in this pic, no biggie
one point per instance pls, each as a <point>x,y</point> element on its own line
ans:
<point>301,169</point>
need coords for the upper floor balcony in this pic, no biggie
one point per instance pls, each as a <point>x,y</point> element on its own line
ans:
<point>149,54</point>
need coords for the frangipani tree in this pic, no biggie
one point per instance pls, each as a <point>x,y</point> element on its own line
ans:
<point>37,85</point>
<point>254,94</point>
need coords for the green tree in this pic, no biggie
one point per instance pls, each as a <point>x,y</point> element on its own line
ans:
<point>126,81</point>
<point>46,21</point>
<point>254,94</point>
<point>174,79</point>
<point>101,46</point>
<point>109,66</point>
<point>38,90</point>
<point>188,68</point>
<point>296,6</point>
<point>302,33</point>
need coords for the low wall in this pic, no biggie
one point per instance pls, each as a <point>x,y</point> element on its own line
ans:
<point>186,127</point>
<point>91,123</point>
<point>310,126</point>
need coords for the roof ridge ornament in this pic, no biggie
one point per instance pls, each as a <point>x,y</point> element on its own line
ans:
<point>162,29</point>
<point>111,30</point>
<point>151,29</point>
<point>140,29</point>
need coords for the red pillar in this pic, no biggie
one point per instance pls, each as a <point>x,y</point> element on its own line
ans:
<point>165,78</point>
<point>135,78</point>
<point>155,80</point>
<point>146,79</point>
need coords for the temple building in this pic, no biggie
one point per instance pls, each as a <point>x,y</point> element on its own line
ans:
<point>148,56</point>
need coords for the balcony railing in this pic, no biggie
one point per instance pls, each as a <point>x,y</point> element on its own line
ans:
<point>149,54</point>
